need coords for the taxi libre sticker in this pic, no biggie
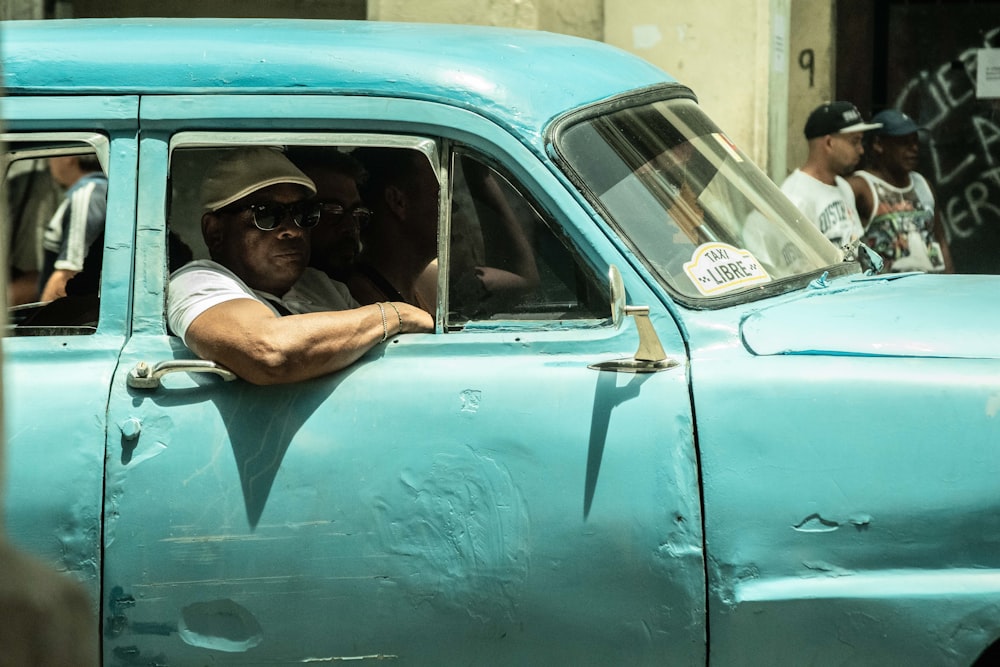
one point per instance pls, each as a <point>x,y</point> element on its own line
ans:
<point>717,268</point>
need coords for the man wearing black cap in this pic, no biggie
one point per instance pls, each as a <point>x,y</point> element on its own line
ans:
<point>834,131</point>
<point>256,307</point>
<point>896,202</point>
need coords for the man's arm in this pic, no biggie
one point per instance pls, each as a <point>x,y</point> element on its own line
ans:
<point>939,234</point>
<point>862,198</point>
<point>246,337</point>
<point>508,245</point>
<point>942,241</point>
<point>55,287</point>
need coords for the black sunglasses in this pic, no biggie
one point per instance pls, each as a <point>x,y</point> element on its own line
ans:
<point>334,214</point>
<point>268,215</point>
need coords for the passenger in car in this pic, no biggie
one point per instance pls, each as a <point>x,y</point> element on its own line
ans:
<point>399,258</point>
<point>255,306</point>
<point>401,241</point>
<point>75,225</point>
<point>336,240</point>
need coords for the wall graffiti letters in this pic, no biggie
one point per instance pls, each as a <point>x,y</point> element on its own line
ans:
<point>960,153</point>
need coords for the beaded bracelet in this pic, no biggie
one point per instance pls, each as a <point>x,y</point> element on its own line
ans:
<point>385,328</point>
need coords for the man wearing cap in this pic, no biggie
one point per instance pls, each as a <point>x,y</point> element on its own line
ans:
<point>896,202</point>
<point>255,307</point>
<point>834,131</point>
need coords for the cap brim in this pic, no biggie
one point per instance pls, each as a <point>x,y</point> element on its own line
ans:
<point>859,127</point>
<point>902,131</point>
<point>260,185</point>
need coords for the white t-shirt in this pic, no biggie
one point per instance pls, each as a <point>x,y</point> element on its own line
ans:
<point>201,284</point>
<point>830,207</point>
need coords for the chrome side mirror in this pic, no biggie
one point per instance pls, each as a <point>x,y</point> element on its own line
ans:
<point>649,357</point>
<point>617,296</point>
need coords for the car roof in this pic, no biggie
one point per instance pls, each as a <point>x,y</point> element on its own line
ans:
<point>520,78</point>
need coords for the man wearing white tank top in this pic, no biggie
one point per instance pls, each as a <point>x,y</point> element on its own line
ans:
<point>896,202</point>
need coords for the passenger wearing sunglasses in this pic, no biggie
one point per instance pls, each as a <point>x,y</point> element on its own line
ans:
<point>398,262</point>
<point>256,307</point>
<point>336,240</point>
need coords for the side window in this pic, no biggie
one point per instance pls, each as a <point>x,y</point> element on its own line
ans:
<point>57,201</point>
<point>374,226</point>
<point>506,261</point>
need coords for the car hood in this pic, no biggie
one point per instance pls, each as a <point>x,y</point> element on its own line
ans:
<point>909,315</point>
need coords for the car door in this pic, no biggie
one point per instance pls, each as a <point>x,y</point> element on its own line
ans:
<point>478,495</point>
<point>58,366</point>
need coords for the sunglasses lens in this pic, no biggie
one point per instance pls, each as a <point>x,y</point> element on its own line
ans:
<point>265,217</point>
<point>268,216</point>
<point>362,216</point>
<point>309,217</point>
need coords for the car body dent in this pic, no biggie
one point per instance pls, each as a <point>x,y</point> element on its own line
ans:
<point>913,316</point>
<point>847,476</point>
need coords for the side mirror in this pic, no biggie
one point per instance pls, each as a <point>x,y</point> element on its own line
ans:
<point>871,261</point>
<point>617,296</point>
<point>650,357</point>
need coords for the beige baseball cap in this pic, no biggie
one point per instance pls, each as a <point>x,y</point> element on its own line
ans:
<point>245,170</point>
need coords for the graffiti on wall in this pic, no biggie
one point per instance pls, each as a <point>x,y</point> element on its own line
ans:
<point>961,155</point>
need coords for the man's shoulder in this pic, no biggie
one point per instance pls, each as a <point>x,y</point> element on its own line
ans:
<point>799,182</point>
<point>792,179</point>
<point>200,265</point>
<point>799,186</point>
<point>863,176</point>
<point>200,270</point>
<point>94,181</point>
<point>843,185</point>
<point>919,180</point>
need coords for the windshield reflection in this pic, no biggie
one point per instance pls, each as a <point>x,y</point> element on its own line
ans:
<point>703,217</point>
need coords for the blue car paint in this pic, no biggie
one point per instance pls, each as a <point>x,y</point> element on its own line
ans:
<point>911,316</point>
<point>521,80</point>
<point>403,508</point>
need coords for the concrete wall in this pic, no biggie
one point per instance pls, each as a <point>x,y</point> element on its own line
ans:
<point>582,18</point>
<point>812,68</point>
<point>735,54</point>
<point>724,50</point>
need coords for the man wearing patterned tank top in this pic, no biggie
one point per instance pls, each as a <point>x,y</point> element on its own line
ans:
<point>896,202</point>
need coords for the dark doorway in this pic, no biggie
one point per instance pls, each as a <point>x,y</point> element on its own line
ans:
<point>919,56</point>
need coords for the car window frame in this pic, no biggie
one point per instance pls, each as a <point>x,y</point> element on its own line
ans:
<point>551,221</point>
<point>439,151</point>
<point>42,144</point>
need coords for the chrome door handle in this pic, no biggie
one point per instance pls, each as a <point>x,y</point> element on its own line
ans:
<point>144,377</point>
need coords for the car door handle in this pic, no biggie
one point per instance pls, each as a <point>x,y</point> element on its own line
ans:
<point>144,377</point>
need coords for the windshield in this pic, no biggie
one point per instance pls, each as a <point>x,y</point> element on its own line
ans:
<point>703,217</point>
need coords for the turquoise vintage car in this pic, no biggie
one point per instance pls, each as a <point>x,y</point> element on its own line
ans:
<point>705,436</point>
